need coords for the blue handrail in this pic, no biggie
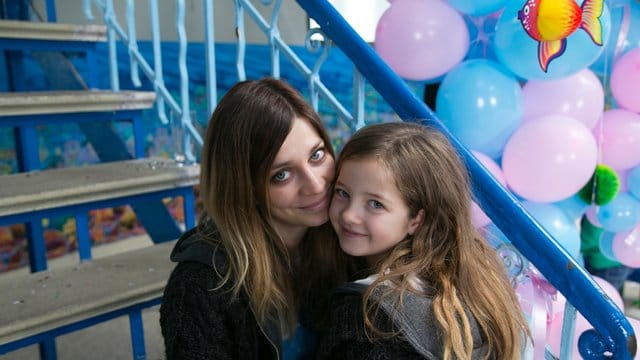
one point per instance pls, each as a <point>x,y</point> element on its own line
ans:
<point>614,333</point>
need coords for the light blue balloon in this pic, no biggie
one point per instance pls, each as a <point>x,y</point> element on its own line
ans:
<point>482,30</point>
<point>477,7</point>
<point>633,182</point>
<point>558,224</point>
<point>574,207</point>
<point>625,35</point>
<point>621,214</point>
<point>481,104</point>
<point>606,244</point>
<point>519,52</point>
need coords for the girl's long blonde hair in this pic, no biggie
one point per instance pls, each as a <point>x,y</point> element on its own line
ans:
<point>243,138</point>
<point>457,267</point>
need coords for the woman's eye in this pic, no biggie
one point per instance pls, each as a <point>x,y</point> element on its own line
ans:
<point>376,204</point>
<point>318,155</point>
<point>281,176</point>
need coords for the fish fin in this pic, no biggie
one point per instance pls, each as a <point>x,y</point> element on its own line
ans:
<point>549,50</point>
<point>591,12</point>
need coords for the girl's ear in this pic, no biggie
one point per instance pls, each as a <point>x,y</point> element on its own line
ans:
<point>415,222</point>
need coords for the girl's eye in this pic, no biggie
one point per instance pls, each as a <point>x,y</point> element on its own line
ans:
<point>318,155</point>
<point>281,176</point>
<point>526,10</point>
<point>342,194</point>
<point>376,204</point>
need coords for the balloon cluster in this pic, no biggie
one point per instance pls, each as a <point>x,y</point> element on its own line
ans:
<point>541,132</point>
<point>550,108</point>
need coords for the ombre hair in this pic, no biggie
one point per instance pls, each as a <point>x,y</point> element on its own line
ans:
<point>455,265</point>
<point>243,137</point>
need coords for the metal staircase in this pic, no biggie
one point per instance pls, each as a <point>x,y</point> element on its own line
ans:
<point>35,193</point>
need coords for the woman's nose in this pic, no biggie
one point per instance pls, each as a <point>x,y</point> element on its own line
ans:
<point>314,182</point>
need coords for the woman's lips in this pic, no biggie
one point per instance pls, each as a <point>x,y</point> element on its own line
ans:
<point>317,205</point>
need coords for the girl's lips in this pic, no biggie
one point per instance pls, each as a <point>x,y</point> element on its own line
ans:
<point>350,233</point>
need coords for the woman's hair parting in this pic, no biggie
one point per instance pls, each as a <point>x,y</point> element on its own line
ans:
<point>455,265</point>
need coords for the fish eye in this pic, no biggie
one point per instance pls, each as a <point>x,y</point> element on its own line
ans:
<point>526,10</point>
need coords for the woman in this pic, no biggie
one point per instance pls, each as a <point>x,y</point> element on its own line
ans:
<point>262,254</point>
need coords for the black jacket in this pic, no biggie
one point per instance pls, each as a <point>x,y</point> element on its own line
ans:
<point>199,321</point>
<point>419,336</point>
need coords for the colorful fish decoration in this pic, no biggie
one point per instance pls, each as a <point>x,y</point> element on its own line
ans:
<point>550,22</point>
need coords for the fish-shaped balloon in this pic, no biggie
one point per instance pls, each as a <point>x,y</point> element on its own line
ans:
<point>550,22</point>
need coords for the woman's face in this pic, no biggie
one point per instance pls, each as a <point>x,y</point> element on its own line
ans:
<point>299,183</point>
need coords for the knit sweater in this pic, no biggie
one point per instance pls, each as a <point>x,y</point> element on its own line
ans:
<point>199,321</point>
<point>419,336</point>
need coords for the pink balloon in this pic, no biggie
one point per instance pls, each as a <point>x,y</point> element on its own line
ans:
<point>421,39</point>
<point>625,80</point>
<point>549,159</point>
<point>618,133</point>
<point>478,217</point>
<point>626,247</point>
<point>579,96</point>
<point>592,215</point>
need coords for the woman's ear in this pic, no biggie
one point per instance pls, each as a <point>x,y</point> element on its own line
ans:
<point>415,222</point>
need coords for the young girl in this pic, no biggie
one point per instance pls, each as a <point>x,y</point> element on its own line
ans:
<point>436,290</point>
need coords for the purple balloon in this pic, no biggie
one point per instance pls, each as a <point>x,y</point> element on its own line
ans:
<point>618,133</point>
<point>626,247</point>
<point>549,159</point>
<point>625,80</point>
<point>421,39</point>
<point>579,96</point>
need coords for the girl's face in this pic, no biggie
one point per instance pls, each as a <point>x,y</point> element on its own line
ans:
<point>367,210</point>
<point>299,183</point>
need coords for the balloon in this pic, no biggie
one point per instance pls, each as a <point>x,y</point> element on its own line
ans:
<point>482,30</point>
<point>477,7</point>
<point>625,81</point>
<point>625,34</point>
<point>478,217</point>
<point>549,159</point>
<point>579,96</point>
<point>558,224</point>
<point>621,214</point>
<point>574,207</point>
<point>480,104</point>
<point>618,133</point>
<point>519,52</point>
<point>421,39</point>
<point>626,248</point>
<point>633,182</point>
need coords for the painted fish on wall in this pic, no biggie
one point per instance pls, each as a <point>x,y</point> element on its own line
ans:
<point>550,22</point>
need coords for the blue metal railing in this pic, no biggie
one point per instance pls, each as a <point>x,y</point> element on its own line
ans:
<point>614,333</point>
<point>180,110</point>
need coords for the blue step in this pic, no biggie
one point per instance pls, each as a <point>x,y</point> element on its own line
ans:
<point>31,196</point>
